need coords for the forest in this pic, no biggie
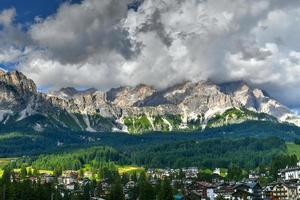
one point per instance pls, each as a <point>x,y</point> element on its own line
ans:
<point>22,143</point>
<point>248,153</point>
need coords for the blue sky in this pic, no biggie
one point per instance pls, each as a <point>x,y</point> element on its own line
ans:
<point>27,10</point>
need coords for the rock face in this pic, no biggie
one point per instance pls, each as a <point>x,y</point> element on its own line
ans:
<point>136,109</point>
<point>70,92</point>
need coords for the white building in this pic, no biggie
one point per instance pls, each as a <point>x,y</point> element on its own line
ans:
<point>290,173</point>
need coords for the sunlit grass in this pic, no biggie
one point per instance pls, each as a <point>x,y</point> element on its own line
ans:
<point>293,149</point>
<point>130,169</point>
<point>5,161</point>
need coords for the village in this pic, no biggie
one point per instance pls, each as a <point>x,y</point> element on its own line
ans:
<point>185,183</point>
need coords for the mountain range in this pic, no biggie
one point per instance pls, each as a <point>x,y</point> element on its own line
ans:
<point>185,106</point>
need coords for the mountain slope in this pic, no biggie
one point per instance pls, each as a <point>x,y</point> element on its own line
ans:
<point>186,106</point>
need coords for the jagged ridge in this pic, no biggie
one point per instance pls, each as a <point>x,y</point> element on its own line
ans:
<point>186,106</point>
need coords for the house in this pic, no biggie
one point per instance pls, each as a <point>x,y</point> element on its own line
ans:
<point>252,189</point>
<point>201,188</point>
<point>253,176</point>
<point>210,193</point>
<point>284,191</point>
<point>267,193</point>
<point>46,178</point>
<point>242,195</point>
<point>88,174</point>
<point>191,172</point>
<point>290,173</point>
<point>224,190</point>
<point>84,181</point>
<point>216,178</point>
<point>70,186</point>
<point>71,173</point>
<point>96,198</point>
<point>256,190</point>
<point>217,171</point>
<point>68,180</point>
<point>130,184</point>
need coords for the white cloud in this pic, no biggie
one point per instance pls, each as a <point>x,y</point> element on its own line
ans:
<point>7,16</point>
<point>80,31</point>
<point>101,44</point>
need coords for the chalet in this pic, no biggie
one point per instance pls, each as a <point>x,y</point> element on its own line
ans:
<point>46,178</point>
<point>68,180</point>
<point>242,195</point>
<point>251,189</point>
<point>267,193</point>
<point>201,188</point>
<point>283,191</point>
<point>224,190</point>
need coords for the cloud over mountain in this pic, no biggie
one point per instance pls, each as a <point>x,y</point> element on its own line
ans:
<point>103,44</point>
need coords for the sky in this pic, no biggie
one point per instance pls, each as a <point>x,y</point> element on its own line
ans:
<point>108,43</point>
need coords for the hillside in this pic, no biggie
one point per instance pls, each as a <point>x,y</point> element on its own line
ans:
<point>247,153</point>
<point>33,143</point>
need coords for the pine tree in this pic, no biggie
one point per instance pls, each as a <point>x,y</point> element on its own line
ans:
<point>116,191</point>
<point>35,172</point>
<point>23,172</point>
<point>166,191</point>
<point>146,191</point>
<point>81,173</point>
<point>29,171</point>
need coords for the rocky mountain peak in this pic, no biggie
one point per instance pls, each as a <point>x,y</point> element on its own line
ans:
<point>129,96</point>
<point>18,80</point>
<point>70,92</point>
<point>2,72</point>
<point>191,105</point>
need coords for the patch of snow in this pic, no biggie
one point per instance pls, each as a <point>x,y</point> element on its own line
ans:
<point>4,113</point>
<point>185,116</point>
<point>183,126</point>
<point>150,119</point>
<point>193,116</point>
<point>7,118</point>
<point>115,129</point>
<point>169,124</point>
<point>38,127</point>
<point>211,112</point>
<point>26,112</point>
<point>87,122</point>
<point>76,120</point>
<point>124,127</point>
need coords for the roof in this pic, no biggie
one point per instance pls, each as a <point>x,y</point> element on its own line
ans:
<point>290,169</point>
<point>241,192</point>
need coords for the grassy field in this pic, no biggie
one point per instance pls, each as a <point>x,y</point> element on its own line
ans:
<point>41,171</point>
<point>130,169</point>
<point>5,161</point>
<point>293,148</point>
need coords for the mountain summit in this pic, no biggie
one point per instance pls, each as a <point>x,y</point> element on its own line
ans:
<point>185,106</point>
